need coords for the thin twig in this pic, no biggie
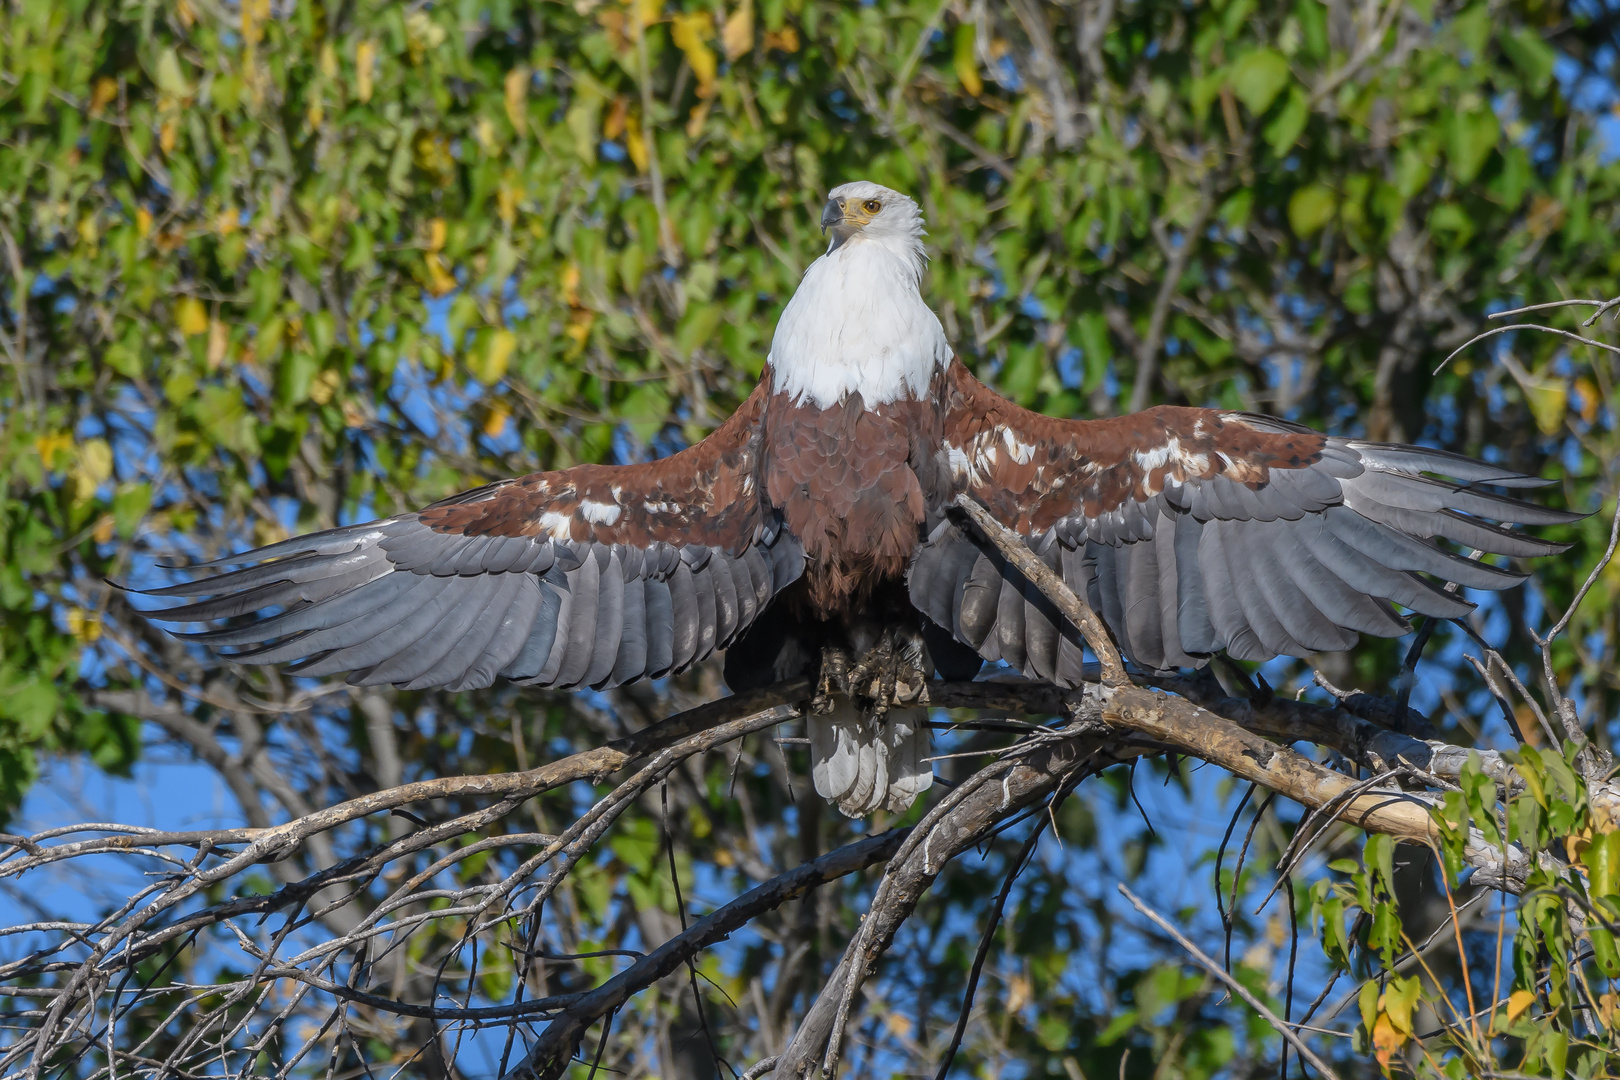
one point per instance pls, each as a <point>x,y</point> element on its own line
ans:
<point>1233,984</point>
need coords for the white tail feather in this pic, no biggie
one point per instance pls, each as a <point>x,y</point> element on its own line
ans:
<point>862,762</point>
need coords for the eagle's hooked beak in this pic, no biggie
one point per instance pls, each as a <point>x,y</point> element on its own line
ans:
<point>833,217</point>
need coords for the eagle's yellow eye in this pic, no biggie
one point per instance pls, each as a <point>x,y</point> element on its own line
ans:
<point>871,206</point>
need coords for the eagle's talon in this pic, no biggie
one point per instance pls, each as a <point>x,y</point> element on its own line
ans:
<point>833,681</point>
<point>889,674</point>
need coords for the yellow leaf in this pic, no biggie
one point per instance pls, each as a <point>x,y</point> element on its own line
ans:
<point>635,144</point>
<point>436,233</point>
<point>187,16</point>
<point>143,221</point>
<point>103,532</point>
<point>324,386</point>
<point>700,113</point>
<point>495,419</point>
<point>578,329</point>
<point>190,316</point>
<point>353,416</point>
<point>101,95</point>
<point>737,36</point>
<point>168,135</point>
<point>440,280</point>
<point>497,354</point>
<point>691,34</point>
<point>484,131</point>
<point>647,12</point>
<point>84,625</point>
<point>570,284</point>
<point>1518,1001</point>
<point>267,531</point>
<point>897,1023</point>
<point>506,199</point>
<point>365,56</point>
<point>421,35</point>
<point>96,460</point>
<point>1549,401</point>
<point>254,13</point>
<point>517,93</point>
<point>219,343</point>
<point>1590,398</point>
<point>315,114</point>
<point>1019,993</point>
<point>1386,1040</point>
<point>618,116</point>
<point>785,39</point>
<point>49,445</point>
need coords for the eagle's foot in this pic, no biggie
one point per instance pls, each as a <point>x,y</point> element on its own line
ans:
<point>833,682</point>
<point>891,673</point>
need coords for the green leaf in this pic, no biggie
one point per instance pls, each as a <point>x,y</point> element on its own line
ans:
<point>32,705</point>
<point>1556,1048</point>
<point>965,59</point>
<point>1604,953</point>
<point>168,76</point>
<point>1602,859</point>
<point>1413,167</point>
<point>645,410</point>
<point>1310,208</point>
<point>1384,933</point>
<point>1400,999</point>
<point>1284,131</point>
<point>1533,57</point>
<point>1469,141</point>
<point>1367,999</point>
<point>1117,1027</point>
<point>1258,77</point>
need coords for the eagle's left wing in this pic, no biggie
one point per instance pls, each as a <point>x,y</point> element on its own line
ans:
<point>1197,530</point>
<point>589,576</point>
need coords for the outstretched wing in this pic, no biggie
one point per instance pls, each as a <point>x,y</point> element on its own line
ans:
<point>590,576</point>
<point>1196,530</point>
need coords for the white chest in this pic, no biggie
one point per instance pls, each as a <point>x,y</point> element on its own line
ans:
<point>858,324</point>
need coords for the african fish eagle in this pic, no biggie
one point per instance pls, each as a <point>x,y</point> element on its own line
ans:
<point>813,531</point>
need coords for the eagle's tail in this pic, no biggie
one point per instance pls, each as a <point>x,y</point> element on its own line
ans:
<point>863,762</point>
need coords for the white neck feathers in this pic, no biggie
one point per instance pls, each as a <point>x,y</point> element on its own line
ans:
<point>858,324</point>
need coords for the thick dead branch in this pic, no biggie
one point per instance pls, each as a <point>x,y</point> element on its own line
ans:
<point>1001,791</point>
<point>1073,608</point>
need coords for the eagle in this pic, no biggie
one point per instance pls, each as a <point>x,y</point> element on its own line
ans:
<point>813,533</point>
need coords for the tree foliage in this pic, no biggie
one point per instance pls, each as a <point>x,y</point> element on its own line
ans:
<point>269,267</point>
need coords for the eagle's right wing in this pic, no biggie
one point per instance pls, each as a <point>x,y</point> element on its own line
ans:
<point>1198,530</point>
<point>589,576</point>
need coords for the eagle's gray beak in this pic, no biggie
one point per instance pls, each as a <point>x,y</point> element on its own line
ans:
<point>833,217</point>
<point>832,214</point>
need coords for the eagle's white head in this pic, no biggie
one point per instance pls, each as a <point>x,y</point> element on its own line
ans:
<point>869,213</point>
<point>858,323</point>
